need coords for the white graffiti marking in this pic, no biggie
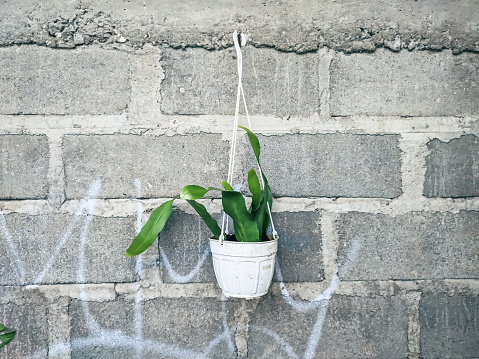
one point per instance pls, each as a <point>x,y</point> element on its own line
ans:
<point>175,276</point>
<point>116,338</point>
<point>19,268</point>
<point>284,345</point>
<point>321,303</point>
<point>178,278</point>
<point>88,205</point>
<point>100,337</point>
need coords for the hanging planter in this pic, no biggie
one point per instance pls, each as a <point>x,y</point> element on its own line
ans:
<point>244,270</point>
<point>243,261</point>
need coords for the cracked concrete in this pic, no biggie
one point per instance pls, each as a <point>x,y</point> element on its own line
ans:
<point>299,26</point>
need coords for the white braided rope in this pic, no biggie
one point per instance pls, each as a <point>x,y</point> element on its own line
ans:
<point>240,93</point>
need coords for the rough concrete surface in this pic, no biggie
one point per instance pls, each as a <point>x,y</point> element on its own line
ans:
<point>452,168</point>
<point>428,245</point>
<point>405,84</point>
<point>184,243</point>
<point>203,320</point>
<point>24,164</point>
<point>163,165</point>
<point>330,165</point>
<point>300,252</point>
<point>49,249</point>
<point>353,328</point>
<point>28,315</point>
<point>204,82</point>
<point>449,326</point>
<point>36,80</point>
<point>299,26</point>
<point>365,327</point>
<point>165,336</point>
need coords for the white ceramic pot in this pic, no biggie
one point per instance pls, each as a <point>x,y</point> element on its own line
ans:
<point>244,269</point>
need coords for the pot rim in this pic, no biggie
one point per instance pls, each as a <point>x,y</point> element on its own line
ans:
<point>243,243</point>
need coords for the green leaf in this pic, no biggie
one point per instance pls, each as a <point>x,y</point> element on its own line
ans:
<point>255,189</point>
<point>6,337</point>
<point>227,186</point>
<point>209,221</point>
<point>151,229</point>
<point>192,192</point>
<point>254,142</point>
<point>267,191</point>
<point>261,215</point>
<point>268,199</point>
<point>244,224</point>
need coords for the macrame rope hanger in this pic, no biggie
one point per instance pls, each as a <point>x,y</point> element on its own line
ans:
<point>240,93</point>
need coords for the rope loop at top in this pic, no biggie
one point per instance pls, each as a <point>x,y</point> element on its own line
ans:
<point>240,93</point>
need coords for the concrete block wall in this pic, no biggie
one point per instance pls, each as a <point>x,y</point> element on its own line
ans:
<point>368,118</point>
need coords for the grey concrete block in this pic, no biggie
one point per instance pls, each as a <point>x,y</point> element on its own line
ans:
<point>38,80</point>
<point>452,168</point>
<point>49,248</point>
<point>449,326</point>
<point>204,82</point>
<point>24,162</point>
<point>171,328</point>
<point>164,165</point>
<point>184,243</point>
<point>300,249</point>
<point>27,314</point>
<point>416,245</point>
<point>330,165</point>
<point>405,84</point>
<point>103,329</point>
<point>193,325</point>
<point>352,328</point>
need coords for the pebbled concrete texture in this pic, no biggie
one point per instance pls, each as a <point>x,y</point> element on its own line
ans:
<point>300,252</point>
<point>354,328</point>
<point>452,168</point>
<point>330,165</point>
<point>50,249</point>
<point>405,84</point>
<point>36,80</point>
<point>204,82</point>
<point>163,164</point>
<point>24,162</point>
<point>171,328</point>
<point>203,322</point>
<point>27,314</point>
<point>120,324</point>
<point>299,26</point>
<point>366,327</point>
<point>449,326</point>
<point>183,245</point>
<point>416,245</point>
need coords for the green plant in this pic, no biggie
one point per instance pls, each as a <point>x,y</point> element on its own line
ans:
<point>6,335</point>
<point>250,224</point>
